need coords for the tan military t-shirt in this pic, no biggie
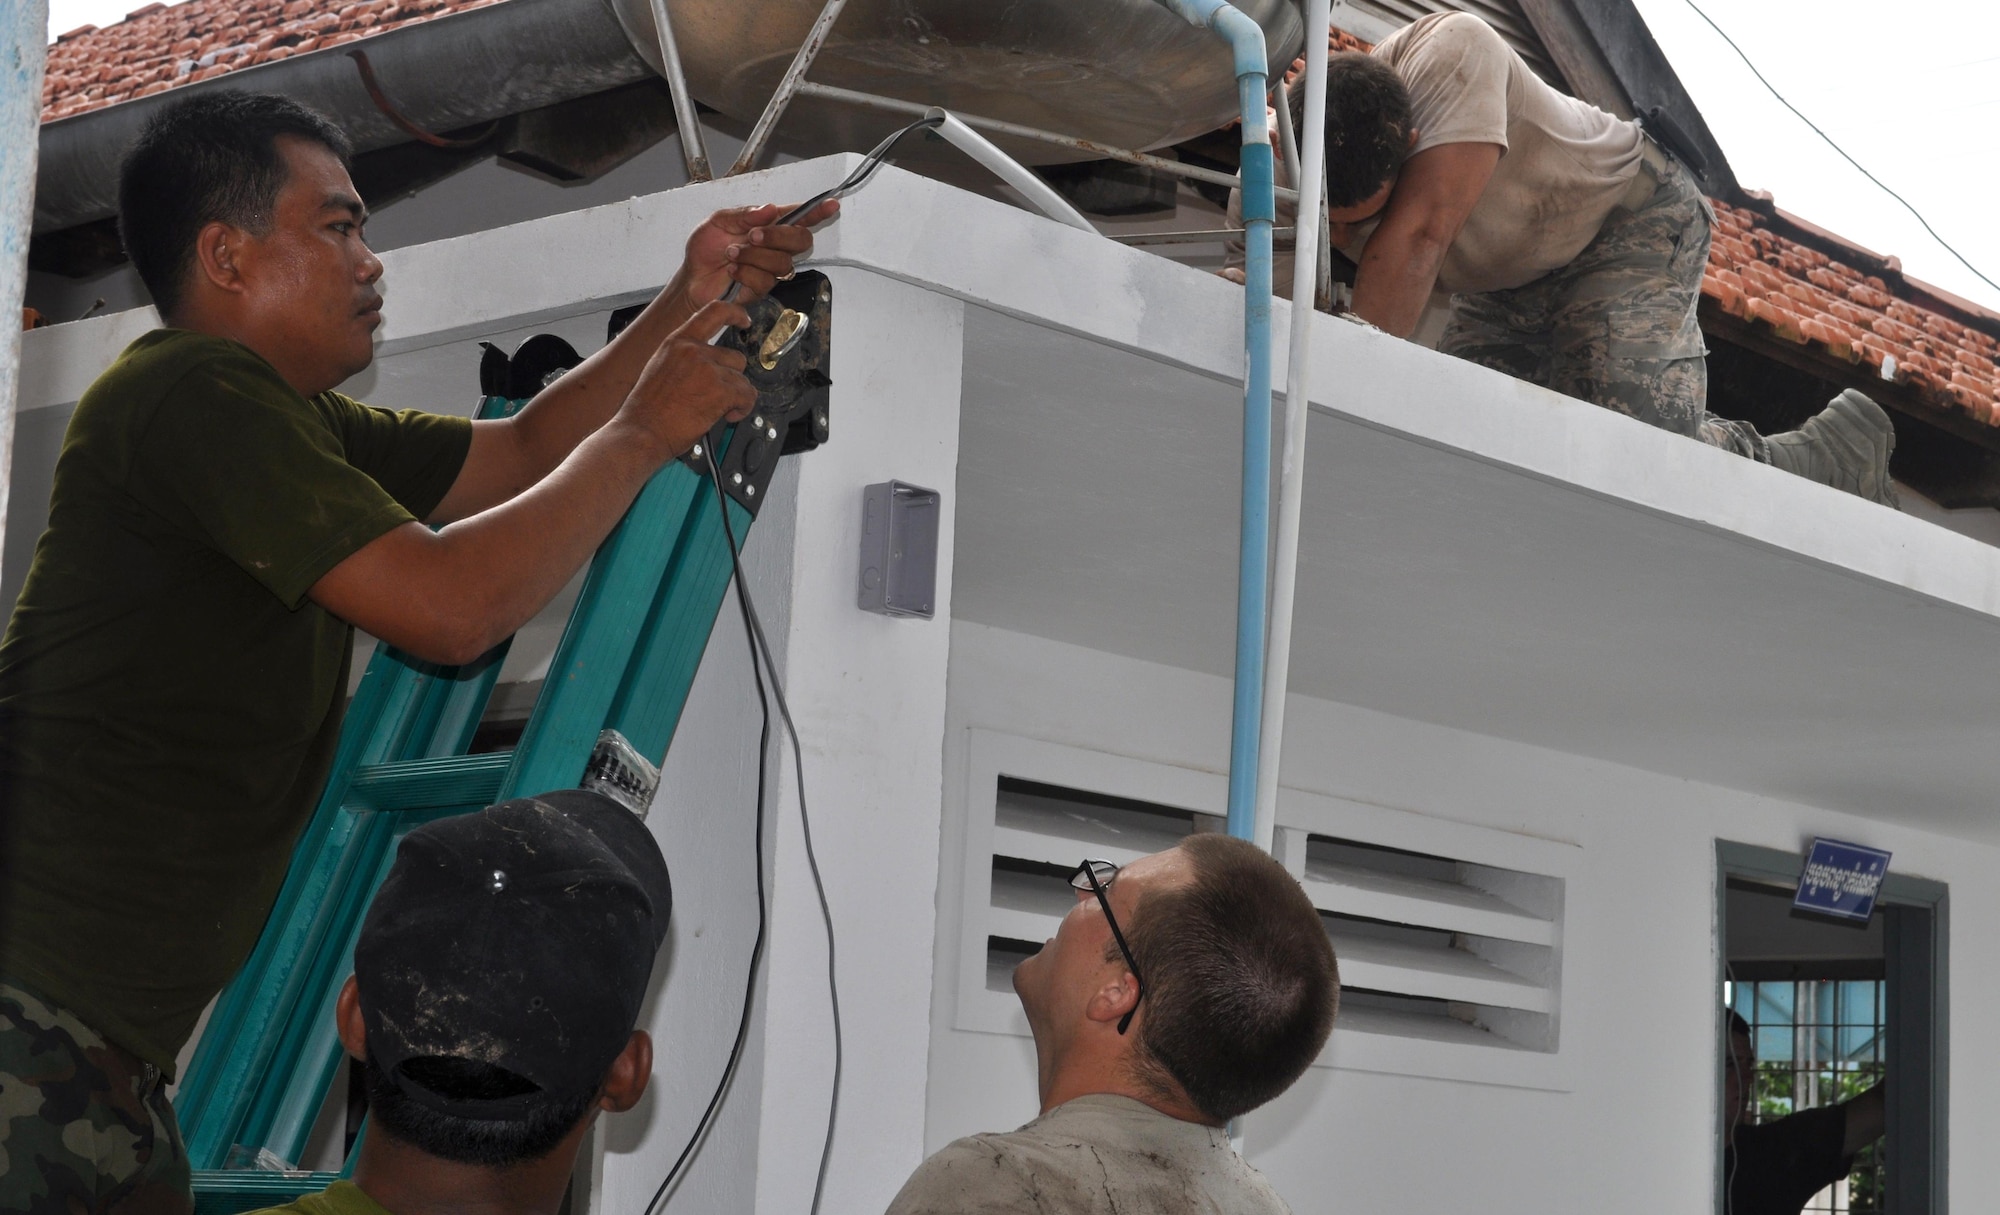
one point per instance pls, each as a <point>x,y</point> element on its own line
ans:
<point>1565,163</point>
<point>1096,1155</point>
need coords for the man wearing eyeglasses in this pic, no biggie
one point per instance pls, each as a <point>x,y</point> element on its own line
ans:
<point>1182,990</point>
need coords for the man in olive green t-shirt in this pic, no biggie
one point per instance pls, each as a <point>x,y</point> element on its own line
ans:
<point>173,677</point>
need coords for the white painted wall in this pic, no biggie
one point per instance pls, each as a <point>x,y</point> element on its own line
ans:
<point>1639,992</point>
<point>868,694</point>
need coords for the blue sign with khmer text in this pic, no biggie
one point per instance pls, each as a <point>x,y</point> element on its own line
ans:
<point>1841,879</point>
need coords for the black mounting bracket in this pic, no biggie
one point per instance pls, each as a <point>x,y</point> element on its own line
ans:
<point>786,347</point>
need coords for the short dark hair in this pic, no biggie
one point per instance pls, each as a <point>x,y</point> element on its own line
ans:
<point>1368,123</point>
<point>1738,1027</point>
<point>213,156</point>
<point>1240,980</point>
<point>533,1134</point>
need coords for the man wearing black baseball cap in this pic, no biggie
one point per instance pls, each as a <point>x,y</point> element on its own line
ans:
<point>497,981</point>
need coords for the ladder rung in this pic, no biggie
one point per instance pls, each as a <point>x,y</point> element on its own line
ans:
<point>422,784</point>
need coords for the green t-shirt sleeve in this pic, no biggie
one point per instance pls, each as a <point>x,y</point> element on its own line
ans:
<point>267,478</point>
<point>413,455</point>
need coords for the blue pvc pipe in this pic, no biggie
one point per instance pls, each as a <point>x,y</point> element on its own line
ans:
<point>1254,562</point>
<point>1246,39</point>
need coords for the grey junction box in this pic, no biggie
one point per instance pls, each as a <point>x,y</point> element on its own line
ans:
<point>899,545</point>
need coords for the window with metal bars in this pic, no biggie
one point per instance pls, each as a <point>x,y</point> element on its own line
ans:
<point>1818,1042</point>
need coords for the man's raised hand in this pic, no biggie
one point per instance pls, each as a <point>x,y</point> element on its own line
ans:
<point>689,385</point>
<point>743,245</point>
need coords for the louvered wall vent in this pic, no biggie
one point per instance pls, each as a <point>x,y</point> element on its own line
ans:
<point>1449,935</point>
<point>1040,833</point>
<point>1432,946</point>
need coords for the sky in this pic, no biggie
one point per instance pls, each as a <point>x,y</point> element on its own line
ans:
<point>1915,99</point>
<point>66,15</point>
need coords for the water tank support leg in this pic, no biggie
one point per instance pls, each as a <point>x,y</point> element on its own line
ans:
<point>753,148</point>
<point>693,148</point>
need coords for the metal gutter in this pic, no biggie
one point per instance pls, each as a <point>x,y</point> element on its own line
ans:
<point>446,73</point>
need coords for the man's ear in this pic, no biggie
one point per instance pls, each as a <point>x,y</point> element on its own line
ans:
<point>347,1019</point>
<point>1118,996</point>
<point>626,1082</point>
<point>218,250</point>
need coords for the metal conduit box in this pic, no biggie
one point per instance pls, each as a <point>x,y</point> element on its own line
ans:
<point>899,543</point>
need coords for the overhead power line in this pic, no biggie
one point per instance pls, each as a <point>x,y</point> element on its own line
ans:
<point>1836,147</point>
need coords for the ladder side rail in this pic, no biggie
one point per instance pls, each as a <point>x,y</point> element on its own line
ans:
<point>308,1060</point>
<point>694,580</point>
<point>448,713</point>
<point>597,643</point>
<point>209,1103</point>
<point>655,689</point>
<point>292,1084</point>
<point>307,990</point>
<point>659,657</point>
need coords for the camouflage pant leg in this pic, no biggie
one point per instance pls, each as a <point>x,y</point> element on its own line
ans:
<point>1505,330</point>
<point>1618,323</point>
<point>84,1126</point>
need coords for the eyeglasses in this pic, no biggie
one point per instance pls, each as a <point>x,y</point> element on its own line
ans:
<point>1096,877</point>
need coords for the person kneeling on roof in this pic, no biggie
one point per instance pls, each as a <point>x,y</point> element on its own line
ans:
<point>1571,242</point>
<point>1180,991</point>
<point>497,981</point>
<point>173,678</point>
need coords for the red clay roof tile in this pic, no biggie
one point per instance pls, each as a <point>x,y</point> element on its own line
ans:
<point>1834,307</point>
<point>157,47</point>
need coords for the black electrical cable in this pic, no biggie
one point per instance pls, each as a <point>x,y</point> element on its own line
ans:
<point>760,645</point>
<point>758,641</point>
<point>859,178</point>
<point>1836,147</point>
<point>757,946</point>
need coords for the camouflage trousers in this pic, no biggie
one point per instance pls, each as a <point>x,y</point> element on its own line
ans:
<point>1617,326</point>
<point>84,1126</point>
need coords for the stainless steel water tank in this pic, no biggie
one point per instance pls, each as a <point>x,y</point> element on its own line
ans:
<point>1122,72</point>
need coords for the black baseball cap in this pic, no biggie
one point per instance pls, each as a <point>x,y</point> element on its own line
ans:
<point>522,937</point>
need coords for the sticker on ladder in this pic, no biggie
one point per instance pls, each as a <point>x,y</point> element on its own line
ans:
<point>619,772</point>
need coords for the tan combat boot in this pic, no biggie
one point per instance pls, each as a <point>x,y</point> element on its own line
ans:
<point>1846,445</point>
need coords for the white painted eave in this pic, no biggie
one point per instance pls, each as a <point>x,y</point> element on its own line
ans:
<point>1477,552</point>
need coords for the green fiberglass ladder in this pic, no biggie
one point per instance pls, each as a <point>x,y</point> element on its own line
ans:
<point>605,716</point>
